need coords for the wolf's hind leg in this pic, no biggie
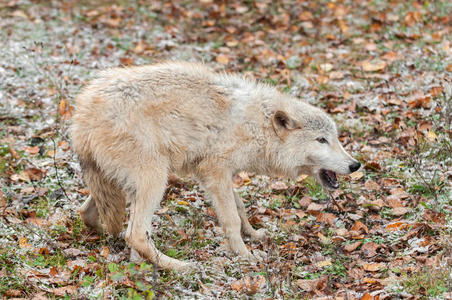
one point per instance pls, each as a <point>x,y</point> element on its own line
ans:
<point>150,186</point>
<point>247,229</point>
<point>90,215</point>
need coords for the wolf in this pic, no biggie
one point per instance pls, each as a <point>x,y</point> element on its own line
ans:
<point>135,126</point>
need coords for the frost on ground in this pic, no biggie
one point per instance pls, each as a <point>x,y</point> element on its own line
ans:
<point>382,70</point>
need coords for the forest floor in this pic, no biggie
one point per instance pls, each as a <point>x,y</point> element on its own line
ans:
<point>382,69</point>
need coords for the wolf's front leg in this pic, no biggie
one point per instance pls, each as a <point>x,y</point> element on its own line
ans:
<point>218,185</point>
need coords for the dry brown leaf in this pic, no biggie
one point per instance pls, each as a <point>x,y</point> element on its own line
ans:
<point>366,296</point>
<point>249,285</point>
<point>373,267</point>
<point>372,66</point>
<point>126,61</point>
<point>352,247</point>
<point>305,201</point>
<point>326,217</point>
<point>13,293</point>
<point>313,285</point>
<point>23,243</point>
<point>400,211</point>
<point>105,251</point>
<point>65,290</point>
<point>65,109</point>
<point>412,17</point>
<point>278,186</point>
<point>336,75</point>
<point>34,174</point>
<point>326,67</point>
<point>436,91</point>
<point>324,263</point>
<point>315,208</point>
<point>371,185</point>
<point>222,59</point>
<point>32,150</point>
<point>370,249</point>
<point>356,175</point>
<point>358,226</point>
<point>72,252</point>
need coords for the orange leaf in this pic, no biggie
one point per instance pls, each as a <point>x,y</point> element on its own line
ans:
<point>373,267</point>
<point>32,150</point>
<point>222,59</point>
<point>358,226</point>
<point>436,91</point>
<point>366,296</point>
<point>396,226</point>
<point>23,243</point>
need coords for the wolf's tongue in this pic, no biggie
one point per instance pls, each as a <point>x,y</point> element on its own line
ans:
<point>331,175</point>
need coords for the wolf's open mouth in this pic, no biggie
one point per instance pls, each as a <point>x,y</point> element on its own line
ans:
<point>329,178</point>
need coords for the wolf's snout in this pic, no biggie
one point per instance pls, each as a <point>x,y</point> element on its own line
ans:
<point>354,166</point>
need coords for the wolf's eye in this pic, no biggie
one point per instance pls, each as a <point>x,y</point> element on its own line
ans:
<point>322,140</point>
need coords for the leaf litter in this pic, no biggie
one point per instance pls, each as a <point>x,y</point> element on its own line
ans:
<point>381,69</point>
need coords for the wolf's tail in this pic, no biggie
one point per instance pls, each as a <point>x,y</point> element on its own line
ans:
<point>107,195</point>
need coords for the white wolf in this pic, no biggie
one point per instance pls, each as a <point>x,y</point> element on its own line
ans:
<point>134,126</point>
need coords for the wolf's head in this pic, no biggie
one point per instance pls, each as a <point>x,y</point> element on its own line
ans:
<point>308,144</point>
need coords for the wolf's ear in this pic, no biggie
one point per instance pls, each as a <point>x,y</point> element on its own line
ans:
<point>282,124</point>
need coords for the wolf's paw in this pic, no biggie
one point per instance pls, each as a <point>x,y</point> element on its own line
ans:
<point>255,256</point>
<point>259,235</point>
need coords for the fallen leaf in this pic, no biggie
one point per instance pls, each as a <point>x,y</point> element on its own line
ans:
<point>64,291</point>
<point>396,226</point>
<point>326,67</point>
<point>250,285</point>
<point>359,226</point>
<point>326,217</point>
<point>278,186</point>
<point>352,247</point>
<point>370,249</point>
<point>105,251</point>
<point>127,61</point>
<point>324,263</point>
<point>356,175</point>
<point>431,136</point>
<point>222,59</point>
<point>72,252</point>
<point>336,75</point>
<point>436,91</point>
<point>400,211</point>
<point>315,208</point>
<point>32,150</point>
<point>13,293</point>
<point>366,296</point>
<point>23,243</point>
<point>412,17</point>
<point>372,66</point>
<point>65,109</point>
<point>373,267</point>
<point>313,285</point>
<point>44,251</point>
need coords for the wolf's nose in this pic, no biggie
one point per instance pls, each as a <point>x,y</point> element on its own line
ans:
<point>354,166</point>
